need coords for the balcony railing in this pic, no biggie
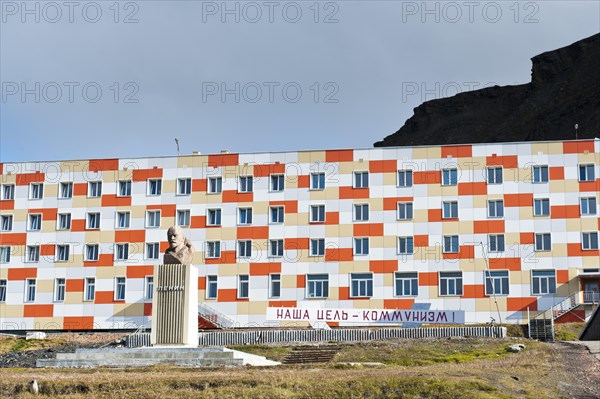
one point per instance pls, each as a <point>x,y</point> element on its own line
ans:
<point>591,297</point>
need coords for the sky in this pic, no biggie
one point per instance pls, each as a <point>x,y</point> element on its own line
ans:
<point>105,79</point>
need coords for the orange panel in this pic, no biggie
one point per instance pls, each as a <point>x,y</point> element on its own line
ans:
<point>339,155</point>
<point>165,210</point>
<point>421,240</point>
<point>564,212</point>
<point>338,254</point>
<point>130,235</point>
<point>368,230</point>
<point>38,310</point>
<point>488,226</point>
<point>473,291</point>
<point>589,185</point>
<point>574,147</point>
<point>97,165</point>
<point>104,297</point>
<point>521,304</point>
<point>47,213</point>
<point>139,271</point>
<point>290,206</point>
<point>457,151</point>
<point>265,170</point>
<point>391,204</point>
<point>6,205</point>
<point>428,279</point>
<point>148,309</point>
<point>198,222</point>
<point>229,295</point>
<point>201,283</point>
<point>223,160</point>
<point>47,250</point>
<point>506,161</point>
<point>398,303</point>
<point>80,189</point>
<point>303,181</point>
<point>344,293</point>
<point>557,173</point>
<point>518,200</point>
<point>296,243</point>
<point>434,215</point>
<point>301,281</point>
<point>227,257</point>
<point>349,192</point>
<point>477,188</point>
<point>74,285</point>
<point>332,218</point>
<point>427,177</point>
<point>1,168</point>
<point>512,264</point>
<point>199,185</point>
<point>234,196</point>
<point>253,233</point>
<point>78,225</point>
<point>103,260</point>
<point>385,166</point>
<point>383,266</point>
<point>527,238</point>
<point>264,269</point>
<point>23,179</point>
<point>13,238</point>
<point>78,323</point>
<point>22,274</point>
<point>113,200</point>
<point>562,276</point>
<point>145,174</point>
<point>333,323</point>
<point>574,249</point>
<point>282,304</point>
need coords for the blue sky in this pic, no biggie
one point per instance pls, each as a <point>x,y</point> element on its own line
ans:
<point>95,80</point>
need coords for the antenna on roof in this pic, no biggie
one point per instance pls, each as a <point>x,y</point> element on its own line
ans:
<point>576,131</point>
<point>177,142</point>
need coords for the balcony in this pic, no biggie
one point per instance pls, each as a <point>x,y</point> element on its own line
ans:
<point>591,297</point>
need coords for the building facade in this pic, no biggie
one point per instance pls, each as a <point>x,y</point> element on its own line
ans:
<point>490,229</point>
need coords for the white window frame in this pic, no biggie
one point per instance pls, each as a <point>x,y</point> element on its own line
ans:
<point>496,282</point>
<point>316,249</point>
<point>121,251</point>
<point>243,284</point>
<point>6,223</point>
<point>186,215</point>
<point>96,252</point>
<point>317,181</point>
<point>451,207</point>
<point>280,212</point>
<point>124,188</point>
<point>88,219</point>
<point>492,175</point>
<point>404,211</point>
<point>153,222</point>
<point>359,212</point>
<point>68,186</point>
<point>360,179</point>
<point>152,250</point>
<point>212,250</point>
<point>276,182</point>
<point>447,177</point>
<point>215,185</point>
<point>364,285</point>
<point>212,280</point>
<point>32,254</point>
<point>407,282</point>
<point>317,217</point>
<point>588,201</point>
<point>275,280</point>
<point>359,246</point>
<point>537,282</point>
<point>541,202</point>
<point>120,288</point>
<point>585,170</point>
<point>404,178</point>
<point>30,218</point>
<point>5,253</point>
<point>316,282</point>
<point>60,289</point>
<point>217,216</point>
<point>542,244</point>
<point>248,215</point>
<point>540,174</point>
<point>127,217</point>
<point>30,290</point>
<point>451,249</point>
<point>89,289</point>
<point>495,241</point>
<point>589,240</point>
<point>456,288</point>
<point>148,288</point>
<point>184,186</point>
<point>3,289</point>
<point>36,194</point>
<point>95,189</point>
<point>406,245</point>
<point>276,248</point>
<point>61,251</point>
<point>244,248</point>
<point>154,187</point>
<point>8,192</point>
<point>494,210</point>
<point>59,221</point>
<point>246,184</point>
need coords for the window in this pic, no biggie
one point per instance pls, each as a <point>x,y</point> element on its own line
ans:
<point>184,186</point>
<point>276,248</point>
<point>317,247</point>
<point>451,244</point>
<point>494,175</point>
<point>405,178</point>
<point>246,184</point>
<point>149,291</point>
<point>93,220</point>
<point>94,189</point>
<point>361,212</point>
<point>496,208</point>
<point>243,285</point>
<point>541,207</point>
<point>277,182</point>
<point>123,220</point>
<point>66,190</point>
<point>317,286</point>
<point>154,186</point>
<point>152,250</point>
<point>542,242</point>
<point>6,222</point>
<point>120,289</point>
<point>4,254</point>
<point>451,283</point>
<point>35,222</point>
<point>544,282</point>
<point>317,213</point>
<point>405,210</point>
<point>361,284</point>
<point>589,240</point>
<point>361,246</point>
<point>317,181</point>
<point>450,210</point>
<point>64,221</point>
<point>152,218</point>
<point>361,179</point>
<point>59,289</point>
<point>406,284</point>
<point>496,243</point>
<point>33,253</point>
<point>496,282</point>
<point>30,290</point>
<point>214,217</point>
<point>90,289</point>
<point>588,206</point>
<point>124,188</point>
<point>540,174</point>
<point>215,185</point>
<point>586,173</point>
<point>274,285</point>
<point>245,249</point>
<point>405,245</point>
<point>213,249</point>
<point>122,251</point>
<point>92,252</point>
<point>36,191</point>
<point>276,214</point>
<point>8,192</point>
<point>245,216</point>
<point>2,290</point>
<point>211,287</point>
<point>449,177</point>
<point>183,217</point>
<point>62,253</point>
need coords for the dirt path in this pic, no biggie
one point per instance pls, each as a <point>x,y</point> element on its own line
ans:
<point>584,369</point>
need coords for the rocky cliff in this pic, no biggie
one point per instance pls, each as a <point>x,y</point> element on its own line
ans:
<point>564,91</point>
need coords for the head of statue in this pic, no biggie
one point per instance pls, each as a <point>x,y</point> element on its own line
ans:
<point>175,237</point>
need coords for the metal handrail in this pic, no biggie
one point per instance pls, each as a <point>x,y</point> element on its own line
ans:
<point>214,316</point>
<point>591,297</point>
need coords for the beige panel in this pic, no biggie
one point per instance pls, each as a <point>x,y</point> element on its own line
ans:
<point>390,179</point>
<point>288,281</point>
<point>51,190</point>
<point>44,285</point>
<point>72,298</point>
<point>93,236</point>
<point>357,266</point>
<point>138,212</point>
<point>368,304</point>
<point>541,147</point>
<point>586,158</point>
<point>435,190</point>
<point>213,233</point>
<point>472,166</point>
<point>322,195</point>
<point>48,323</point>
<point>105,273</point>
<point>214,199</point>
<point>388,280</point>
<point>199,197</point>
<point>421,153</point>
<point>419,215</point>
<point>465,227</point>
<point>590,261</point>
<point>559,250</point>
<point>433,292</point>
<point>348,168</point>
<point>375,204</point>
<point>109,177</point>
<point>479,202</point>
<point>450,228</point>
<point>390,242</point>
<point>447,191</point>
<point>376,242</point>
<point>11,310</point>
<point>526,213</point>
<point>169,186</point>
<point>48,226</point>
<point>583,224</point>
<point>8,179</point>
<point>167,221</point>
<point>254,307</point>
<point>489,305</point>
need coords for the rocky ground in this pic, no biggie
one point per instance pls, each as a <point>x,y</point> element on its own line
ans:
<point>583,366</point>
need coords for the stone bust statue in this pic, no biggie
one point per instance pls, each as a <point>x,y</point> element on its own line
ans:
<point>180,249</point>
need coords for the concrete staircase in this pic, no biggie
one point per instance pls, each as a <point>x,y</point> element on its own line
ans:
<point>541,326</point>
<point>144,357</point>
<point>311,354</point>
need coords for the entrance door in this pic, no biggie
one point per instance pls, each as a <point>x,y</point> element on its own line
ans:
<point>591,291</point>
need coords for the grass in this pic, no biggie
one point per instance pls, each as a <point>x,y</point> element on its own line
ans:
<point>21,344</point>
<point>567,331</point>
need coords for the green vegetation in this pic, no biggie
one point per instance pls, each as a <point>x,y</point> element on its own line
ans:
<point>21,344</point>
<point>567,331</point>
